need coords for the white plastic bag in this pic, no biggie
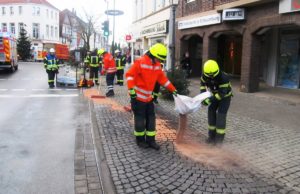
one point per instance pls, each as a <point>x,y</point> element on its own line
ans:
<point>185,104</point>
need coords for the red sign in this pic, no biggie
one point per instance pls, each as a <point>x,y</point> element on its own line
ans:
<point>295,4</point>
<point>128,37</point>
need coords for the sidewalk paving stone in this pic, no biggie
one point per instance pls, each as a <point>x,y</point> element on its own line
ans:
<point>172,170</point>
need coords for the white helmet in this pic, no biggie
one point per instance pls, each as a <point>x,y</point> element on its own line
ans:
<point>117,51</point>
<point>52,50</point>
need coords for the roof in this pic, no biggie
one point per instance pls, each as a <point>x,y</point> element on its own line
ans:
<point>42,2</point>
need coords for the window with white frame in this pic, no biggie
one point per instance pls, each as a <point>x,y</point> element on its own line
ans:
<point>56,32</point>
<point>3,11</point>
<point>20,10</point>
<point>47,13</point>
<point>51,31</point>
<point>33,10</point>
<point>11,10</point>
<point>47,31</point>
<point>21,26</point>
<point>12,28</point>
<point>154,6</point>
<point>4,27</point>
<point>51,14</point>
<point>35,30</point>
<point>38,11</point>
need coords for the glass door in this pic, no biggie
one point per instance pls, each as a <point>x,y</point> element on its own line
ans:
<point>289,60</point>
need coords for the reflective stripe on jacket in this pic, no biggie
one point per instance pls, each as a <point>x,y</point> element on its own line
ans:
<point>120,62</point>
<point>142,77</point>
<point>219,86</point>
<point>51,62</point>
<point>109,63</point>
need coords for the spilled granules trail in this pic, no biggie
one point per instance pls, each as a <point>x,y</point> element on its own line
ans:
<point>207,155</point>
<point>210,156</point>
<point>107,101</point>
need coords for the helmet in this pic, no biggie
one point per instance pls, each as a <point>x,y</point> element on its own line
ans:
<point>52,50</point>
<point>117,51</point>
<point>211,68</point>
<point>159,51</point>
<point>101,51</point>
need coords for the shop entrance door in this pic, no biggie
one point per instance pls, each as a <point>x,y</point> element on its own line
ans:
<point>230,53</point>
<point>289,59</point>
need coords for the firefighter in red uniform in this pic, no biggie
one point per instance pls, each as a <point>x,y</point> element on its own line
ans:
<point>109,66</point>
<point>141,79</point>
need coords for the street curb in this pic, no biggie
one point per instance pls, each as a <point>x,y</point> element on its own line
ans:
<point>104,173</point>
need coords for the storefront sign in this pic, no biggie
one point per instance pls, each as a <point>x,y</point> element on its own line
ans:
<point>233,14</point>
<point>157,28</point>
<point>286,6</point>
<point>200,21</point>
<point>295,5</point>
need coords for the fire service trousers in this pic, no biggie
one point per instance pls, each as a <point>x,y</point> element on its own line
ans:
<point>110,81</point>
<point>144,118</point>
<point>217,112</point>
<point>94,73</point>
<point>120,75</point>
<point>51,77</point>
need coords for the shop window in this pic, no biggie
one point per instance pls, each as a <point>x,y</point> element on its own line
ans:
<point>289,60</point>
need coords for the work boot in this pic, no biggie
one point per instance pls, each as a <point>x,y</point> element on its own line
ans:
<point>140,141</point>
<point>211,137</point>
<point>110,93</point>
<point>219,138</point>
<point>152,143</point>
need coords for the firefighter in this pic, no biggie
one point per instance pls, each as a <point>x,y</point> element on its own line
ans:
<point>141,78</point>
<point>51,66</point>
<point>218,83</point>
<point>94,63</point>
<point>109,67</point>
<point>120,63</point>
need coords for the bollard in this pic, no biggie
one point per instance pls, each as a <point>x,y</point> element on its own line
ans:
<point>182,127</point>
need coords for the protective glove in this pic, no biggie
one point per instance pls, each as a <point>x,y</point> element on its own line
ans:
<point>206,102</point>
<point>132,93</point>
<point>175,93</point>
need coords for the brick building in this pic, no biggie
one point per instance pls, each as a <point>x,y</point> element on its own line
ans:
<point>254,40</point>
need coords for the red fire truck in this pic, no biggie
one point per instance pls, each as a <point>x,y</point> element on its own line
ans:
<point>8,51</point>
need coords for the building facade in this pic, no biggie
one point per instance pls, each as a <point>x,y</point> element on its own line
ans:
<point>254,40</point>
<point>71,29</point>
<point>38,17</point>
<point>150,25</point>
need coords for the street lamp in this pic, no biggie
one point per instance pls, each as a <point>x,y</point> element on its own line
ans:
<point>173,4</point>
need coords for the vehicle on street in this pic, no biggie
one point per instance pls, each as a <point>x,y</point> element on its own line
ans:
<point>8,51</point>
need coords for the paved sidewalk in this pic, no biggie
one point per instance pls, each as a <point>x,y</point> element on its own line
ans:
<point>257,156</point>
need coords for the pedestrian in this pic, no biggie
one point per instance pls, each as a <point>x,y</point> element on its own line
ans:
<point>218,83</point>
<point>109,67</point>
<point>94,63</point>
<point>186,65</point>
<point>120,63</point>
<point>51,66</point>
<point>141,78</point>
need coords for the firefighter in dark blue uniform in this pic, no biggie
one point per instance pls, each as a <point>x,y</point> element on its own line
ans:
<point>51,66</point>
<point>218,83</point>
<point>120,64</point>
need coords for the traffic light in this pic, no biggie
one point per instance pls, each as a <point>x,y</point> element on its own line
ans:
<point>105,28</point>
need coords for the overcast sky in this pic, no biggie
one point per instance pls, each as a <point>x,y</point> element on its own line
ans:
<point>97,9</point>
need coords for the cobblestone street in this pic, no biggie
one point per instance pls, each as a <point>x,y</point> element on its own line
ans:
<point>257,157</point>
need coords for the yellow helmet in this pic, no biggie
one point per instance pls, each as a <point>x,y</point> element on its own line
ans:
<point>159,51</point>
<point>211,68</point>
<point>101,51</point>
